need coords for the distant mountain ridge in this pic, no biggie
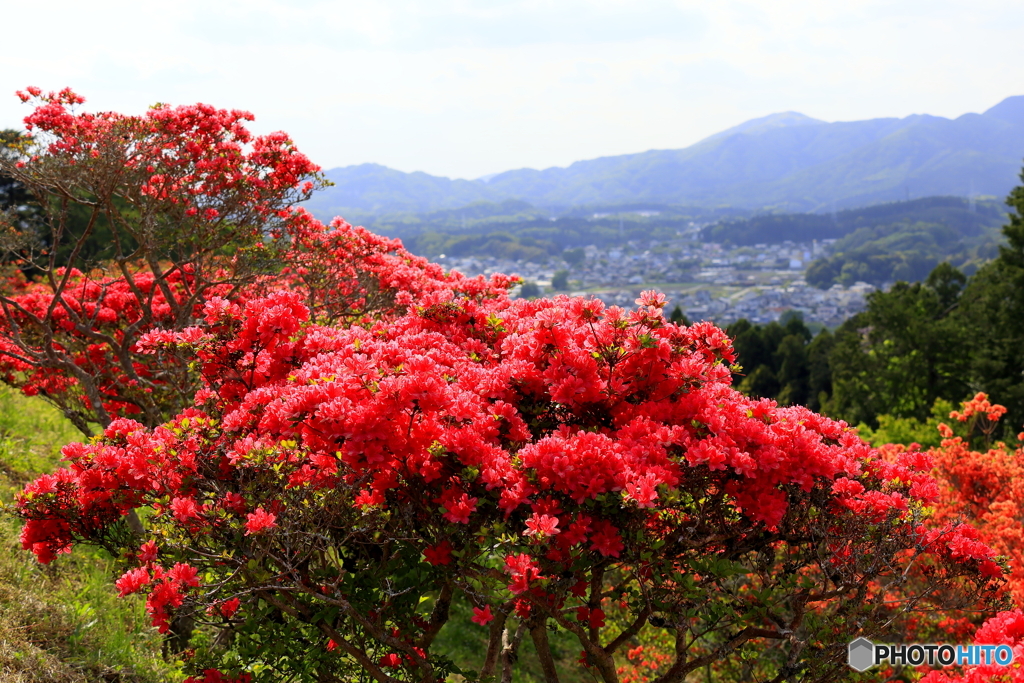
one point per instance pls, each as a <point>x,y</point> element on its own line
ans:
<point>782,162</point>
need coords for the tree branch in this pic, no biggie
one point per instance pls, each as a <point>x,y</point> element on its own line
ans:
<point>539,634</point>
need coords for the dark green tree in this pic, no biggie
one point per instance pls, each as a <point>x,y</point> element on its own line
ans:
<point>529,290</point>
<point>754,347</point>
<point>574,257</point>
<point>14,196</point>
<point>948,283</point>
<point>823,273</point>
<point>819,371</point>
<point>991,311</point>
<point>793,372</point>
<point>773,358</point>
<point>678,317</point>
<point>12,193</point>
<point>901,354</point>
<point>560,280</point>
<point>761,383</point>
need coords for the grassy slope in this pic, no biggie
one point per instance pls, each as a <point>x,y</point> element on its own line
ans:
<point>61,623</point>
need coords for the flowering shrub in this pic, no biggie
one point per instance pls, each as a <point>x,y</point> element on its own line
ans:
<point>76,348</point>
<point>191,206</point>
<point>345,273</point>
<point>554,463</point>
<point>79,348</point>
<point>1007,628</point>
<point>145,218</point>
<point>985,488</point>
<point>981,491</point>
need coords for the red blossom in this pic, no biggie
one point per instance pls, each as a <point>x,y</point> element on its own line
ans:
<point>228,608</point>
<point>185,574</point>
<point>391,661</point>
<point>259,521</point>
<point>541,526</point>
<point>458,505</point>
<point>439,554</point>
<point>148,552</point>
<point>184,509</point>
<point>523,569</point>
<point>132,581</point>
<point>482,615</point>
<point>606,540</point>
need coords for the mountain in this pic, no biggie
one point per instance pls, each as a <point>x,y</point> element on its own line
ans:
<point>781,162</point>
<point>376,189</point>
<point>766,123</point>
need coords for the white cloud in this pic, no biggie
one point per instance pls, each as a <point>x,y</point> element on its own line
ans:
<point>468,87</point>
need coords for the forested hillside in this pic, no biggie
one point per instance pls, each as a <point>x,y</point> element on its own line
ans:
<point>517,230</point>
<point>963,216</point>
<point>903,251</point>
<point>920,344</point>
<point>884,243</point>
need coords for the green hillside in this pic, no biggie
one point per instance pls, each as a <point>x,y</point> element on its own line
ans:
<point>883,243</point>
<point>900,251</point>
<point>516,230</point>
<point>961,215</point>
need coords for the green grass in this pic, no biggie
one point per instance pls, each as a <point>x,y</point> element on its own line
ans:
<point>61,622</point>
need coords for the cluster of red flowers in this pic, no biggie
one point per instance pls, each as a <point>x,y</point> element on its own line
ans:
<point>644,662</point>
<point>215,676</point>
<point>346,272</point>
<point>1007,628</point>
<point>72,336</point>
<point>91,320</point>
<point>985,489</point>
<point>979,405</point>
<point>188,156</point>
<point>167,586</point>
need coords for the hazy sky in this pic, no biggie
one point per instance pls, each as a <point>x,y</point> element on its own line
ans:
<point>464,88</point>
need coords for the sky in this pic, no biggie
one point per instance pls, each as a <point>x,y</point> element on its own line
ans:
<point>466,88</point>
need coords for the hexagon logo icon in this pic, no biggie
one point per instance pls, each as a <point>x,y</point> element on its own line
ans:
<point>861,654</point>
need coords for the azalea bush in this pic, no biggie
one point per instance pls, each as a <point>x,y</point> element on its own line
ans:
<point>980,483</point>
<point>984,484</point>
<point>143,219</point>
<point>77,344</point>
<point>315,444</point>
<point>554,463</point>
<point>347,273</point>
<point>1006,628</point>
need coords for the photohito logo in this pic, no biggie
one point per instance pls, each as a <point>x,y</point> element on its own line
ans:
<point>863,654</point>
